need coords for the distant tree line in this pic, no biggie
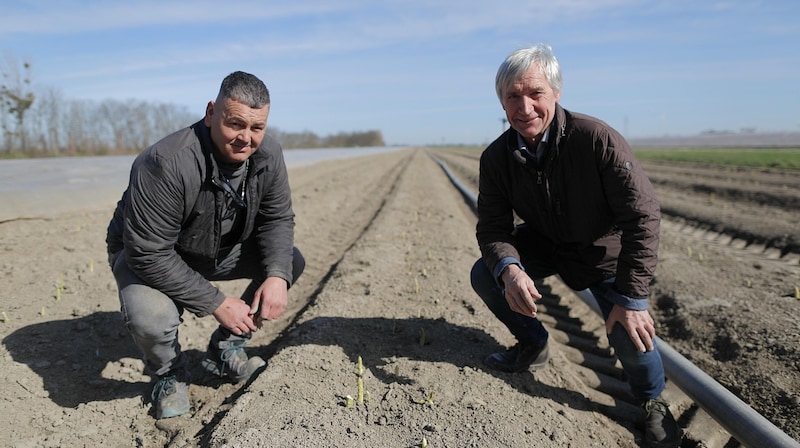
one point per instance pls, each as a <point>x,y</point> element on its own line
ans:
<point>308,139</point>
<point>44,123</point>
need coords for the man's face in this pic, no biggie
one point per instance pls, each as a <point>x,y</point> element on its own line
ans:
<point>530,104</point>
<point>236,129</point>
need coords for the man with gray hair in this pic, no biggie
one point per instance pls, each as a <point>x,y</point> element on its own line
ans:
<point>588,214</point>
<point>210,202</point>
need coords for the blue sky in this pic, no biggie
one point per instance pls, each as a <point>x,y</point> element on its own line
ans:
<point>422,72</point>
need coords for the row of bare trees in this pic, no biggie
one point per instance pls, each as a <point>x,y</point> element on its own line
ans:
<point>55,125</point>
<point>37,123</point>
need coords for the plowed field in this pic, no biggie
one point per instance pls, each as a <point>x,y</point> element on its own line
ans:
<point>389,243</point>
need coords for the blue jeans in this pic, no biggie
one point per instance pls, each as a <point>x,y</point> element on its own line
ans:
<point>644,370</point>
<point>153,318</point>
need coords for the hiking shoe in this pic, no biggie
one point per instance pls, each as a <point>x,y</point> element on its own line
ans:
<point>230,360</point>
<point>171,395</point>
<point>660,429</point>
<point>519,358</point>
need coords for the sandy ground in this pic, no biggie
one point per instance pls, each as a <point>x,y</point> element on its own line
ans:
<point>389,243</point>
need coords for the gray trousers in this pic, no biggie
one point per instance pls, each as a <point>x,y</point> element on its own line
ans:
<point>153,318</point>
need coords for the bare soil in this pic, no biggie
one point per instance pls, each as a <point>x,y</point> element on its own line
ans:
<point>389,243</point>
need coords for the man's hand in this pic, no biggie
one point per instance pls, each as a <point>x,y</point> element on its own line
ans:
<point>234,315</point>
<point>638,324</point>
<point>520,291</point>
<point>270,300</point>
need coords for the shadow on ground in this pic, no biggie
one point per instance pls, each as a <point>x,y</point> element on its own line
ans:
<point>71,355</point>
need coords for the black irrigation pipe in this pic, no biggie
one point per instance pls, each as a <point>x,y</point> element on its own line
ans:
<point>745,424</point>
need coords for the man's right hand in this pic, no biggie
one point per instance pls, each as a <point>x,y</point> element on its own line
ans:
<point>234,314</point>
<point>521,292</point>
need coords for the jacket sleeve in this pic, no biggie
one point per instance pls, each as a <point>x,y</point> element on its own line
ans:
<point>274,225</point>
<point>637,214</point>
<point>495,226</point>
<point>153,217</point>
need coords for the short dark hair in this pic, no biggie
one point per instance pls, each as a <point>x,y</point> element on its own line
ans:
<point>245,88</point>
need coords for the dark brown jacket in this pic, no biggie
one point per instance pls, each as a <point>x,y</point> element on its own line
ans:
<point>589,210</point>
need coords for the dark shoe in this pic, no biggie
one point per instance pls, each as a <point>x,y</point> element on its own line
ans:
<point>227,358</point>
<point>660,429</point>
<point>519,358</point>
<point>171,395</point>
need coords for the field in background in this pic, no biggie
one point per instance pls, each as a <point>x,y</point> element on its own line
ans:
<point>788,158</point>
<point>784,158</point>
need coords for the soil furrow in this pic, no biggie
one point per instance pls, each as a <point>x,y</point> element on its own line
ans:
<point>389,243</point>
<point>331,206</point>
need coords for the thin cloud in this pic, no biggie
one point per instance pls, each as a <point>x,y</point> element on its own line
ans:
<point>388,19</point>
<point>357,26</point>
<point>64,17</point>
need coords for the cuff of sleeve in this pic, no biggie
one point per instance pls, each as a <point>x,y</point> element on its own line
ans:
<point>501,266</point>
<point>631,303</point>
<point>219,297</point>
<point>282,275</point>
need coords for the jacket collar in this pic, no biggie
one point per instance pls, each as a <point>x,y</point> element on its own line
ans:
<point>557,130</point>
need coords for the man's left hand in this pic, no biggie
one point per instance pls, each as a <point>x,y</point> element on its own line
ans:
<point>639,325</point>
<point>270,300</point>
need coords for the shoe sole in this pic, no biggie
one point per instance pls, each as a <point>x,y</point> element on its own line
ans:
<point>213,368</point>
<point>173,413</point>
<point>255,364</point>
<point>534,366</point>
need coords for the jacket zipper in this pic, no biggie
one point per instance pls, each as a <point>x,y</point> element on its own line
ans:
<point>549,162</point>
<point>217,223</point>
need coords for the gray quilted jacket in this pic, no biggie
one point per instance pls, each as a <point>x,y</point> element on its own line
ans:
<point>168,220</point>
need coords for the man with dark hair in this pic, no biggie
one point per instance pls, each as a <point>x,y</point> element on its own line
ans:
<point>210,202</point>
<point>588,213</point>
